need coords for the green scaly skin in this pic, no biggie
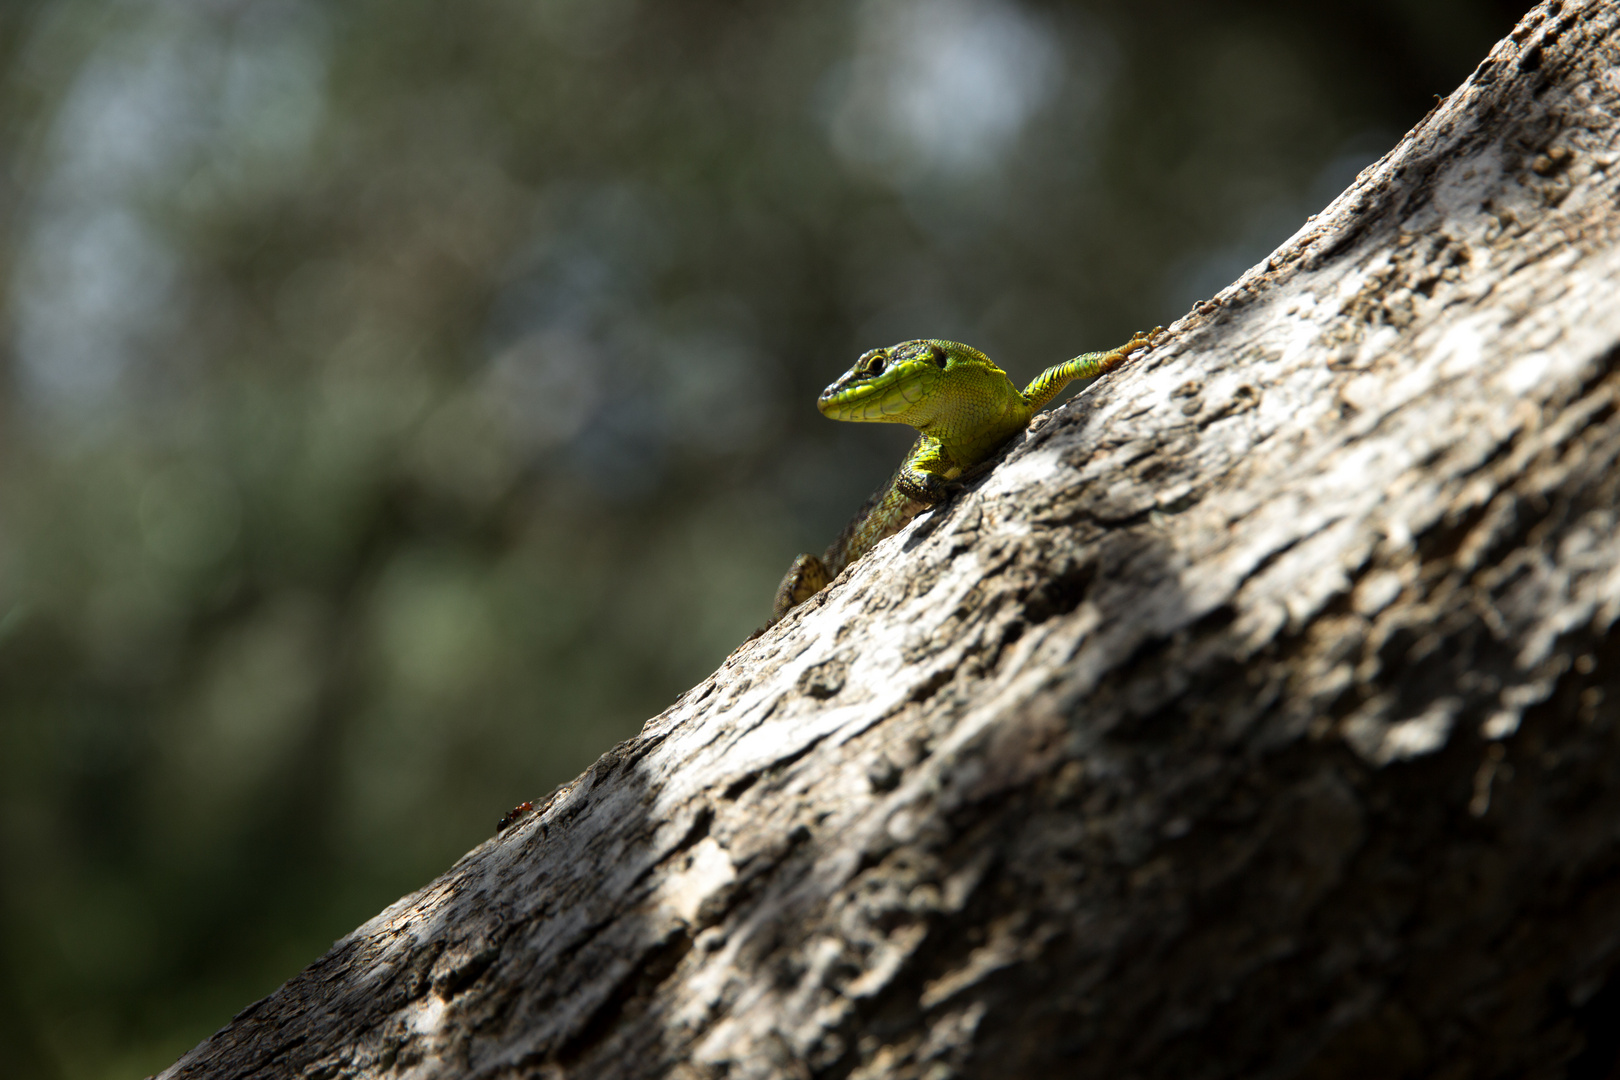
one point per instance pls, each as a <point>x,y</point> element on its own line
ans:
<point>963,407</point>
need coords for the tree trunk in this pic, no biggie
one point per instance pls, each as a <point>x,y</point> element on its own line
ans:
<point>1255,716</point>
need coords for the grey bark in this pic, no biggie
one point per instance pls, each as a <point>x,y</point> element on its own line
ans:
<point>1255,716</point>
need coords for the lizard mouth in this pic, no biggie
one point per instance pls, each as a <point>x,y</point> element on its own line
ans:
<point>872,365</point>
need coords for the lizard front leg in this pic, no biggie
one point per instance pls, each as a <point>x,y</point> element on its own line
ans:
<point>926,474</point>
<point>1085,366</point>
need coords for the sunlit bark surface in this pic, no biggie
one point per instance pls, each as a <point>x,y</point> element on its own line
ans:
<point>1256,716</point>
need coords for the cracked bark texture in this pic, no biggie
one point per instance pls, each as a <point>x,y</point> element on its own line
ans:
<point>1255,716</point>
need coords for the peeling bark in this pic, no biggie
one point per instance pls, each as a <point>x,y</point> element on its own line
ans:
<point>1255,716</point>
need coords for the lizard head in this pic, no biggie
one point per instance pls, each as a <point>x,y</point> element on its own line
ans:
<point>906,383</point>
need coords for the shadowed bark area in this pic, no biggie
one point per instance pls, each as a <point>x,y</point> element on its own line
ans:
<point>1255,716</point>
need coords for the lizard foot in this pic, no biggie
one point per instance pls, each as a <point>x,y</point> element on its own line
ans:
<point>926,488</point>
<point>806,577</point>
<point>1140,341</point>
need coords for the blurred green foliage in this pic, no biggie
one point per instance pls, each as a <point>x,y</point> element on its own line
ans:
<point>404,400</point>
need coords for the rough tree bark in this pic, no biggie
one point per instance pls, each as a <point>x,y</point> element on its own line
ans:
<point>1256,716</point>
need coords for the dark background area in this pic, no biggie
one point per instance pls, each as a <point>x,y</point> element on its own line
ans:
<point>402,401</point>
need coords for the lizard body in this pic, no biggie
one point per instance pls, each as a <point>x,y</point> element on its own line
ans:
<point>963,407</point>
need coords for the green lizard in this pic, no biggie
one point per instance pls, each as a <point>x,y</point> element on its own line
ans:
<point>963,407</point>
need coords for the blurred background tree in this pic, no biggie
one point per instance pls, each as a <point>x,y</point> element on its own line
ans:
<point>402,401</point>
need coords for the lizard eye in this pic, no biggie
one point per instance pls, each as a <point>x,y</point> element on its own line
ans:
<point>871,362</point>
